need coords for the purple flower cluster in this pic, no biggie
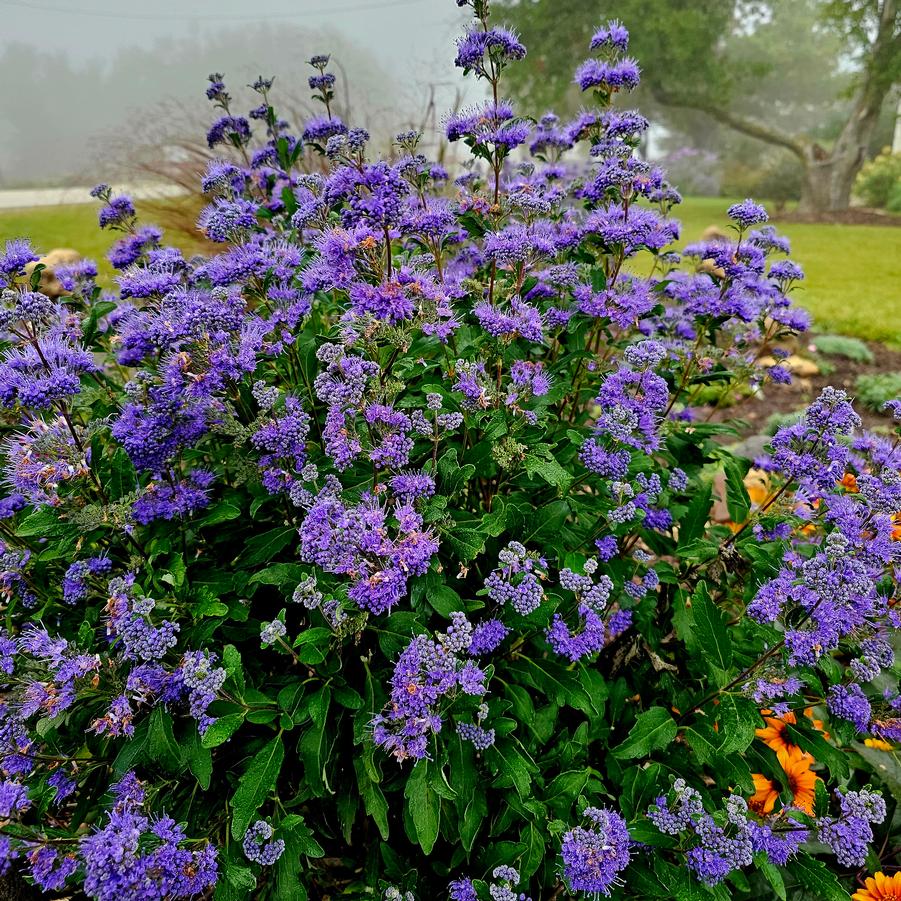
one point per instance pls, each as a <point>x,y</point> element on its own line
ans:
<point>717,851</point>
<point>595,855</point>
<point>517,581</point>
<point>427,674</point>
<point>136,856</point>
<point>260,847</point>
<point>850,834</point>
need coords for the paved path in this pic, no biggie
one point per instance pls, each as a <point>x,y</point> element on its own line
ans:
<point>30,197</point>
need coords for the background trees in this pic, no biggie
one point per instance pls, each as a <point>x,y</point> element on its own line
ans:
<point>809,81</point>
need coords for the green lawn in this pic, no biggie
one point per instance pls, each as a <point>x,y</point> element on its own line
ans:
<point>75,226</point>
<point>853,281</point>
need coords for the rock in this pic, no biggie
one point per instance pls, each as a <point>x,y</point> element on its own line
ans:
<point>752,447</point>
<point>710,266</point>
<point>799,366</point>
<point>715,234</point>
<point>60,256</point>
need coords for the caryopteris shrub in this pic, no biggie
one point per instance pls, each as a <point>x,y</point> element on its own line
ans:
<point>374,555</point>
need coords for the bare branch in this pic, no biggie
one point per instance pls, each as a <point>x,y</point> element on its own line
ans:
<point>733,120</point>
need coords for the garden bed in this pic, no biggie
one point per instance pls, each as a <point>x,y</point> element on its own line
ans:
<point>757,411</point>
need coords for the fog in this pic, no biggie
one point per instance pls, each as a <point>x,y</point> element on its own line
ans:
<point>81,79</point>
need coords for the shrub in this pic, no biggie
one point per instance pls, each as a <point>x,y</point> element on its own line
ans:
<point>842,346</point>
<point>776,175</point>
<point>875,391</point>
<point>893,204</point>
<point>374,554</point>
<point>879,179</point>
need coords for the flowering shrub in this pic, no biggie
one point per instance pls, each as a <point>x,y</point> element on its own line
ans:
<point>374,554</point>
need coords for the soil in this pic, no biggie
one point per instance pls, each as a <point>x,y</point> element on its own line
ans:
<point>852,216</point>
<point>755,411</point>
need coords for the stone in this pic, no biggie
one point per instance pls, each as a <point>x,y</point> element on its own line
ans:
<point>60,256</point>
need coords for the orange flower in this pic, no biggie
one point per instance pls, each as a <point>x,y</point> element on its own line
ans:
<point>774,733</point>
<point>757,484</point>
<point>849,482</point>
<point>896,523</point>
<point>764,798</point>
<point>799,780</point>
<point>880,888</point>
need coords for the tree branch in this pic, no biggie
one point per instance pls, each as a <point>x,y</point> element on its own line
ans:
<point>738,123</point>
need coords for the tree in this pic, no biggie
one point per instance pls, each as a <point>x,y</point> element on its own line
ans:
<point>775,71</point>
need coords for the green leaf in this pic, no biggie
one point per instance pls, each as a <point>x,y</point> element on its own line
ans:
<point>373,798</point>
<point>161,743</point>
<point>222,512</point>
<point>737,500</point>
<point>200,760</point>
<point>653,731</point>
<point>710,629</point>
<point>474,817</point>
<point>236,883</point>
<point>279,574</point>
<point>641,785</point>
<point>771,874</point>
<point>738,718</point>
<point>424,806</point>
<point>691,526</point>
<point>453,476</point>
<point>441,597</point>
<point>809,739</point>
<point>549,470</point>
<point>512,767</point>
<point>313,752</point>
<point>535,844</point>
<point>231,661</point>
<point>467,544</point>
<point>207,604</point>
<point>262,548</point>
<point>885,766</point>
<point>816,878</point>
<point>254,786</point>
<point>303,836</point>
<point>222,730</point>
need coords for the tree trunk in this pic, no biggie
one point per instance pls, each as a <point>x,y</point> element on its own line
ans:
<point>827,182</point>
<point>828,177</point>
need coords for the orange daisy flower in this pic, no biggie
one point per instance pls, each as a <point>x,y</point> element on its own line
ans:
<point>880,888</point>
<point>896,531</point>
<point>774,733</point>
<point>799,779</point>
<point>764,798</point>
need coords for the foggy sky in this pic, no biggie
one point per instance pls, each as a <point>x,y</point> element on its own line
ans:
<point>75,71</point>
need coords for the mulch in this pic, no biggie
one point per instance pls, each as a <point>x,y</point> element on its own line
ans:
<point>851,216</point>
<point>756,410</point>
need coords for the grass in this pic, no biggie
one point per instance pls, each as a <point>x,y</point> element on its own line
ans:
<point>75,226</point>
<point>853,283</point>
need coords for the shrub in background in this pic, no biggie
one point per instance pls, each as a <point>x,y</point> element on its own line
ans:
<point>878,184</point>
<point>842,346</point>
<point>874,391</point>
<point>373,554</point>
